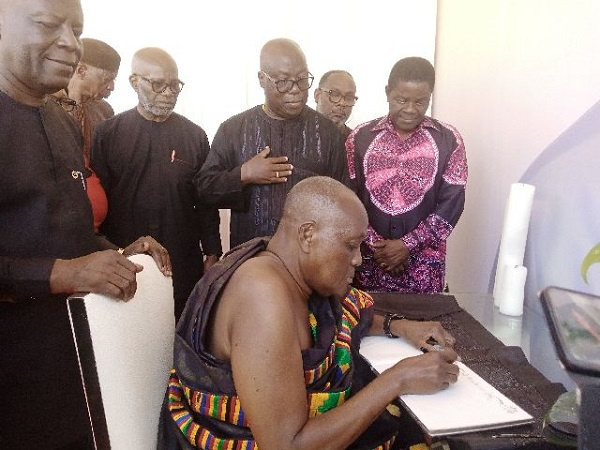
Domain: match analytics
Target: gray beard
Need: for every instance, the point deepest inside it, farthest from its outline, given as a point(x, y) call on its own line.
point(156, 110)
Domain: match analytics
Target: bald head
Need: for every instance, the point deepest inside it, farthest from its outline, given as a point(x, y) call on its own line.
point(279, 53)
point(155, 79)
point(152, 56)
point(336, 95)
point(324, 201)
point(320, 234)
point(285, 78)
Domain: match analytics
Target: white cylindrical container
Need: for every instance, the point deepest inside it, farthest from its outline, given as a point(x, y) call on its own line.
point(513, 290)
point(514, 232)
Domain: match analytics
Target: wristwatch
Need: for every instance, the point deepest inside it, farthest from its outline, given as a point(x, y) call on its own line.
point(389, 317)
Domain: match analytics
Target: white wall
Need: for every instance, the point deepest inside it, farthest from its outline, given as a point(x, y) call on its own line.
point(511, 76)
point(217, 45)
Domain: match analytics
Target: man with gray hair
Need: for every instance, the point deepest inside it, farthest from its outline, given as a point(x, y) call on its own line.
point(48, 248)
point(146, 158)
point(271, 336)
point(335, 97)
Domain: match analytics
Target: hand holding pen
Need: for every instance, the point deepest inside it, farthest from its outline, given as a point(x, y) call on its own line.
point(433, 345)
point(419, 332)
point(427, 373)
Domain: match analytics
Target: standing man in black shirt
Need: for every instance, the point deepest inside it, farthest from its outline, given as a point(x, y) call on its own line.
point(48, 248)
point(258, 155)
point(146, 158)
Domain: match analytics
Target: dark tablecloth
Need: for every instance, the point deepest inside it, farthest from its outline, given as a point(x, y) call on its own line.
point(504, 367)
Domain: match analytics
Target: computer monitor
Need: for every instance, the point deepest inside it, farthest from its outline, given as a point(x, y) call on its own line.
point(574, 322)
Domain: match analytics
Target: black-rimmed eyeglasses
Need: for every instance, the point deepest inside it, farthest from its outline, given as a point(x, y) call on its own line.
point(284, 86)
point(68, 104)
point(159, 86)
point(336, 97)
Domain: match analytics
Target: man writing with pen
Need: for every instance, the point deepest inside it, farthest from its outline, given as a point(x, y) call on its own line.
point(266, 352)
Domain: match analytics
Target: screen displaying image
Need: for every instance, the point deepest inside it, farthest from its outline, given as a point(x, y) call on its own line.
point(575, 318)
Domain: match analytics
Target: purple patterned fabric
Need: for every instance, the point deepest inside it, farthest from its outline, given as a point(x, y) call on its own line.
point(426, 268)
point(413, 189)
point(398, 174)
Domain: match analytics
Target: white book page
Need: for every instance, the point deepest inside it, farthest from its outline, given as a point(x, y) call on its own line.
point(470, 404)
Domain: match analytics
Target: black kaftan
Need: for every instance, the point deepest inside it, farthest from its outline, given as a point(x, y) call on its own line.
point(146, 169)
point(44, 214)
point(313, 144)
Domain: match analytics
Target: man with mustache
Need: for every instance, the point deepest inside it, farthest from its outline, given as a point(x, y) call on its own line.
point(48, 248)
point(146, 158)
point(335, 97)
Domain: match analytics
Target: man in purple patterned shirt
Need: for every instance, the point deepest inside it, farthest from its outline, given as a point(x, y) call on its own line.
point(410, 171)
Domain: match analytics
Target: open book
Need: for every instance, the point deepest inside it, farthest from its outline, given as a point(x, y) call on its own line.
point(470, 404)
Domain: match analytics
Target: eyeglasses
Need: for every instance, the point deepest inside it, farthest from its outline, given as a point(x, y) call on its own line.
point(160, 86)
point(68, 104)
point(284, 86)
point(336, 97)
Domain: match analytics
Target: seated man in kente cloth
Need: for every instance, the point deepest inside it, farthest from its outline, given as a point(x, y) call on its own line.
point(266, 349)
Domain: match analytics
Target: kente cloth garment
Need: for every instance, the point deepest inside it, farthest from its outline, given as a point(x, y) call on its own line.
point(313, 144)
point(147, 168)
point(44, 215)
point(201, 407)
point(413, 189)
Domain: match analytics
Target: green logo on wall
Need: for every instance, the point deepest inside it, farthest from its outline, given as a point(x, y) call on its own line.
point(592, 257)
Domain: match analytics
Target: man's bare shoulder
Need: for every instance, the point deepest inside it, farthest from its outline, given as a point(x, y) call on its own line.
point(259, 279)
point(254, 307)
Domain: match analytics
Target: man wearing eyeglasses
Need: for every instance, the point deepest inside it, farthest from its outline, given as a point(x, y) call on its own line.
point(335, 97)
point(94, 79)
point(258, 155)
point(146, 158)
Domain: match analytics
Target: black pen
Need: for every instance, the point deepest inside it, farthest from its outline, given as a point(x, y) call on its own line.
point(436, 346)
